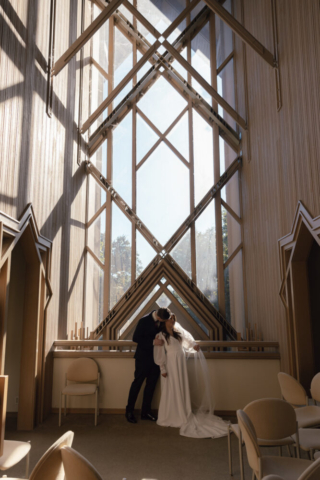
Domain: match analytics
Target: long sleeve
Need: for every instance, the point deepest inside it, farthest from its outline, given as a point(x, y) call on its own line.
point(188, 342)
point(159, 355)
point(142, 335)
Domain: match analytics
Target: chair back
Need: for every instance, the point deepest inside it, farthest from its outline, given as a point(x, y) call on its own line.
point(77, 467)
point(312, 472)
point(292, 391)
point(83, 370)
point(272, 418)
point(50, 464)
point(315, 387)
point(250, 439)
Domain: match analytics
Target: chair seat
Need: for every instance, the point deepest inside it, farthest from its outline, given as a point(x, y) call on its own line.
point(308, 416)
point(262, 442)
point(316, 455)
point(13, 453)
point(79, 389)
point(309, 438)
point(286, 467)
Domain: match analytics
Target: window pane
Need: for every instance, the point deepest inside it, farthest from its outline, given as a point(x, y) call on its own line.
point(162, 104)
point(99, 158)
point(96, 196)
point(225, 83)
point(94, 293)
point(100, 42)
point(145, 253)
point(200, 60)
point(163, 301)
point(163, 193)
point(98, 93)
point(230, 193)
point(179, 136)
point(227, 155)
point(120, 277)
point(233, 281)
point(146, 138)
point(122, 159)
point(231, 234)
point(123, 56)
point(161, 13)
point(223, 37)
point(203, 156)
point(188, 309)
point(182, 253)
point(97, 236)
point(207, 279)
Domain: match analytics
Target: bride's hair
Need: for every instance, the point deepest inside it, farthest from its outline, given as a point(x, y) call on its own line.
point(167, 334)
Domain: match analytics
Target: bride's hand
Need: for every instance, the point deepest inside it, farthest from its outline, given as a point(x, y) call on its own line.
point(164, 375)
point(196, 348)
point(158, 342)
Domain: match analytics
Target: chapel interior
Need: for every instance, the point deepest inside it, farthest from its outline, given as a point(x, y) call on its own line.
point(156, 153)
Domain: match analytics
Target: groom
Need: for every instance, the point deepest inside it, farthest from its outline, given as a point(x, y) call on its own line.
point(145, 368)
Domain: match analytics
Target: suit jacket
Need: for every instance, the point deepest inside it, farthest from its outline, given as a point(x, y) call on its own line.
point(144, 335)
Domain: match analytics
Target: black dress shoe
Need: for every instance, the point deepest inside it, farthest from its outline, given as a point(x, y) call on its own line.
point(130, 417)
point(148, 416)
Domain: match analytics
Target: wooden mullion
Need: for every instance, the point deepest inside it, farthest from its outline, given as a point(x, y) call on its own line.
point(96, 215)
point(95, 258)
point(101, 70)
point(231, 211)
point(234, 254)
point(225, 62)
point(141, 18)
point(180, 18)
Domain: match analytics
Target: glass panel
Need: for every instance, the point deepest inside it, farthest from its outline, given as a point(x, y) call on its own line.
point(145, 32)
point(94, 293)
point(145, 253)
point(143, 70)
point(146, 138)
point(96, 196)
point(188, 309)
point(200, 60)
point(126, 12)
point(139, 309)
point(123, 56)
point(179, 136)
point(99, 158)
point(163, 301)
point(161, 13)
point(231, 233)
point(233, 284)
point(124, 92)
point(162, 104)
point(224, 44)
point(182, 253)
point(100, 42)
point(230, 193)
point(177, 32)
point(97, 236)
point(120, 275)
point(203, 156)
point(225, 84)
point(98, 93)
point(227, 155)
point(162, 198)
point(122, 159)
point(163, 280)
point(197, 9)
point(207, 279)
point(177, 65)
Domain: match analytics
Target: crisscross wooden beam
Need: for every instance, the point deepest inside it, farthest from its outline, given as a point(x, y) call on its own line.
point(85, 36)
point(242, 32)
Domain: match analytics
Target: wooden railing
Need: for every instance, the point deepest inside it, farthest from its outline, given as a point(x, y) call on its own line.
point(126, 348)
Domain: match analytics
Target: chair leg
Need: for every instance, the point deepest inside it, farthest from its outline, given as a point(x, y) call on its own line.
point(60, 406)
point(96, 410)
point(27, 464)
point(241, 457)
point(253, 475)
point(289, 451)
point(65, 405)
point(229, 450)
point(280, 451)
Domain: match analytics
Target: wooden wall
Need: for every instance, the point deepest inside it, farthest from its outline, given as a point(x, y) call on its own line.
point(38, 153)
point(282, 162)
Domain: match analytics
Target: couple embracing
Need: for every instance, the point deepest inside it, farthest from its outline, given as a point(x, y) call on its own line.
point(162, 342)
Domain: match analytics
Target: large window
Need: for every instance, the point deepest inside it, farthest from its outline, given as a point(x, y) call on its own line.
point(158, 144)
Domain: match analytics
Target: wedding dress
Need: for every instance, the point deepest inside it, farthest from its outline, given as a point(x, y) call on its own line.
point(175, 408)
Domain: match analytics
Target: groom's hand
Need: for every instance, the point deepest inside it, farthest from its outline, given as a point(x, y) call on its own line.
point(158, 342)
point(164, 375)
point(196, 348)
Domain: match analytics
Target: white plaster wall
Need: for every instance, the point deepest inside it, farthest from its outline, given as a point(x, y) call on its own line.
point(235, 382)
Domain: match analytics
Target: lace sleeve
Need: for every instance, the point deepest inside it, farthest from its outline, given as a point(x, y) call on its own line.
point(159, 355)
point(188, 342)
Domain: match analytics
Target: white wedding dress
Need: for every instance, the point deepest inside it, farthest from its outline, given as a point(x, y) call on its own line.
point(175, 403)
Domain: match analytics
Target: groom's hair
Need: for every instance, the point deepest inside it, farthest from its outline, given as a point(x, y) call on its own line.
point(163, 313)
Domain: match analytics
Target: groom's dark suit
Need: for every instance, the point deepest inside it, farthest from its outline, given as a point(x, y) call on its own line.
point(144, 335)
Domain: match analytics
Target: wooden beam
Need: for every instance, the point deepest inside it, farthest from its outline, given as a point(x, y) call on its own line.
point(141, 19)
point(225, 105)
point(85, 36)
point(239, 30)
point(180, 18)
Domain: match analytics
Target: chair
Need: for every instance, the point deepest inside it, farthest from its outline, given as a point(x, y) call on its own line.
point(294, 393)
point(77, 467)
point(275, 423)
point(315, 388)
point(311, 473)
point(81, 371)
point(50, 466)
point(286, 467)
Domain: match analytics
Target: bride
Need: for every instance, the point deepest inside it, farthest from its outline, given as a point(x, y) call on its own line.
point(175, 402)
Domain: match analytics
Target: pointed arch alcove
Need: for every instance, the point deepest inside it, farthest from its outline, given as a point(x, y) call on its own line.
point(300, 274)
point(25, 292)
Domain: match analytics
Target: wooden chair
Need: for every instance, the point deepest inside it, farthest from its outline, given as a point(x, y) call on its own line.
point(50, 466)
point(77, 467)
point(287, 467)
point(294, 393)
point(311, 473)
point(81, 371)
